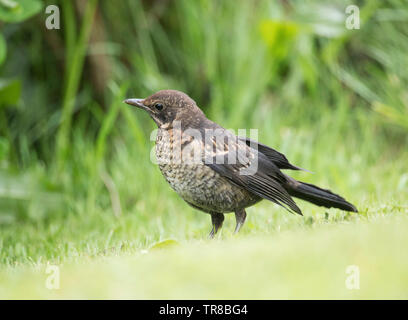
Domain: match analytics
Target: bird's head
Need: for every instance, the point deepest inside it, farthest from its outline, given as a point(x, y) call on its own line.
point(167, 106)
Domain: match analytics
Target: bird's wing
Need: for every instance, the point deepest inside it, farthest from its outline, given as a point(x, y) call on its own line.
point(279, 159)
point(249, 169)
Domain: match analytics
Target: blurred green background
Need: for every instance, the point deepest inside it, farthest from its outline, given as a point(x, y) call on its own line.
point(77, 185)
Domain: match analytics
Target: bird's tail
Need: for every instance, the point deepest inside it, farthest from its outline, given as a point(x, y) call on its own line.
point(318, 196)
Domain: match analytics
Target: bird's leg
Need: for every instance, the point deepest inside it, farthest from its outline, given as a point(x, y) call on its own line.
point(240, 217)
point(216, 219)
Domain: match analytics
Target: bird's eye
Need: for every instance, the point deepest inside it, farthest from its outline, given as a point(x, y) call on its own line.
point(158, 106)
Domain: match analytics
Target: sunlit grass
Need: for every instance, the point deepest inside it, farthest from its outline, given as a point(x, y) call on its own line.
point(305, 262)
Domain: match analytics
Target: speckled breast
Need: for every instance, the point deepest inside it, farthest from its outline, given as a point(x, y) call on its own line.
point(195, 182)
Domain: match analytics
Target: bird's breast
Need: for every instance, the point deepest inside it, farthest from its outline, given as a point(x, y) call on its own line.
point(180, 160)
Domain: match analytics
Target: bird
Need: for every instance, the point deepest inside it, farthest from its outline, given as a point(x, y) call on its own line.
point(218, 172)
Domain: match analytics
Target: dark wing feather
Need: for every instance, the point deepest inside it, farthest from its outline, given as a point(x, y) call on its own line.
point(266, 182)
point(279, 159)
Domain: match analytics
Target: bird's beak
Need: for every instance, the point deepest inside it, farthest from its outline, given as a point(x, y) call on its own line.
point(136, 102)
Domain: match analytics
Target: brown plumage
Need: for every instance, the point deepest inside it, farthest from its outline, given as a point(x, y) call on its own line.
point(217, 172)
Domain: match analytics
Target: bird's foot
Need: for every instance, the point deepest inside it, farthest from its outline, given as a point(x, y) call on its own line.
point(217, 219)
point(240, 217)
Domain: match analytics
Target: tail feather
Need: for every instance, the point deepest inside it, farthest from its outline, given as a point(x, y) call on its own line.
point(318, 196)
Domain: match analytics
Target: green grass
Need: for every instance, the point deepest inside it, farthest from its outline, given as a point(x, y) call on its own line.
point(304, 262)
point(91, 201)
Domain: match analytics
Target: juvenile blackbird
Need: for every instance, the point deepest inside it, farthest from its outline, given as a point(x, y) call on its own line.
point(218, 172)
